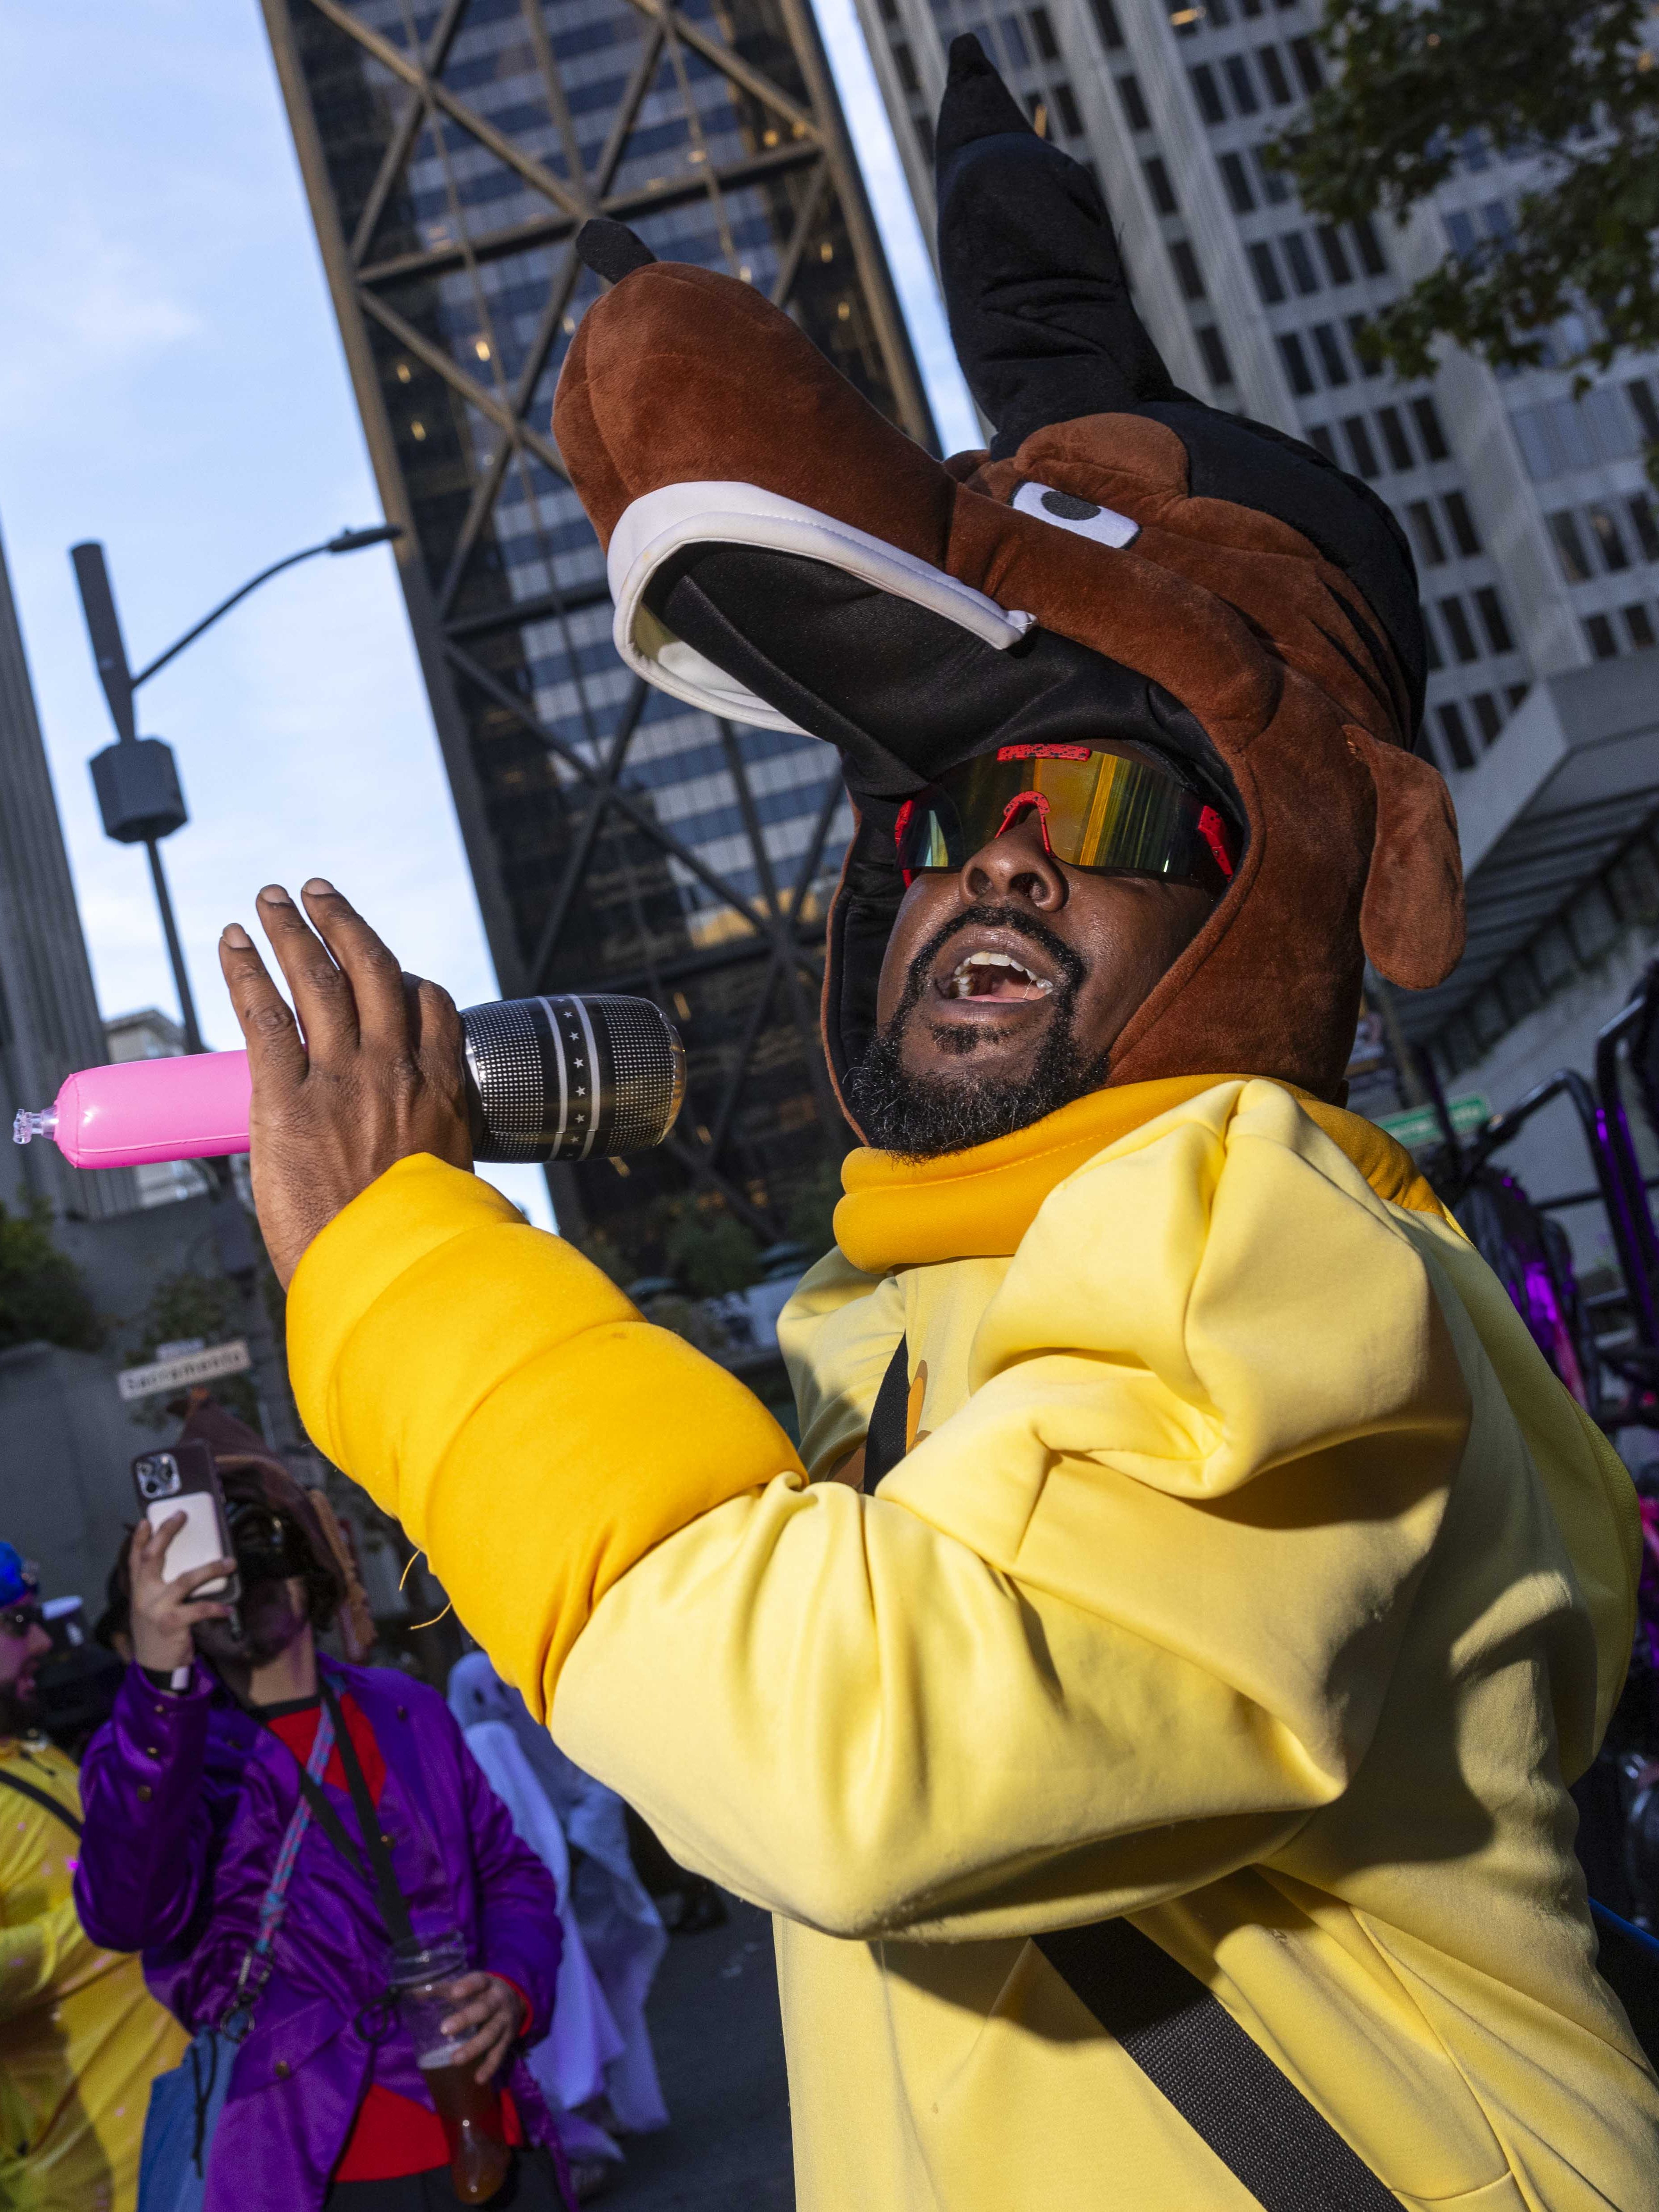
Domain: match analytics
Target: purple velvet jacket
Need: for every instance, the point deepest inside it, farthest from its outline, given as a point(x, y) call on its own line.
point(186, 1801)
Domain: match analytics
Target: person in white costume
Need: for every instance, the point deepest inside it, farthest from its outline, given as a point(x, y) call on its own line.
point(613, 1939)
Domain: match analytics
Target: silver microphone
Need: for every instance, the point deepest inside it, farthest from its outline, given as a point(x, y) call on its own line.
point(572, 1076)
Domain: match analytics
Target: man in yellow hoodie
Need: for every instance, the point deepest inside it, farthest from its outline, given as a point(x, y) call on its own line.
point(81, 2038)
point(1148, 1699)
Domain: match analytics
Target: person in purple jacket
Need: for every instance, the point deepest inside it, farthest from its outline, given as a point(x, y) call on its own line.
point(189, 1792)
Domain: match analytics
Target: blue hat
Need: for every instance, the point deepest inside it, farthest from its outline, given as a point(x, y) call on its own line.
point(20, 1578)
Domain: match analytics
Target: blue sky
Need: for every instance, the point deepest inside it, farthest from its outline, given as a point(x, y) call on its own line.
point(173, 384)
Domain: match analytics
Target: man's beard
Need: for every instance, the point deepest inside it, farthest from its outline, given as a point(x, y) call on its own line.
point(269, 1625)
point(922, 1116)
point(18, 1713)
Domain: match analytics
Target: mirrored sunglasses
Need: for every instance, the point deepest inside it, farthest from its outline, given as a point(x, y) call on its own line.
point(1110, 811)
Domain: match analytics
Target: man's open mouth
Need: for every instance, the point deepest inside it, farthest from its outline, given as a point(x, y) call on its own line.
point(996, 975)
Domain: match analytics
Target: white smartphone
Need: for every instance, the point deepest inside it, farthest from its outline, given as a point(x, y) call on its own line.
point(186, 1480)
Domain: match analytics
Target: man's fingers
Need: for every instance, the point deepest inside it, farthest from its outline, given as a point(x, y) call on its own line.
point(324, 1001)
point(215, 1571)
point(158, 1540)
point(267, 1026)
point(376, 978)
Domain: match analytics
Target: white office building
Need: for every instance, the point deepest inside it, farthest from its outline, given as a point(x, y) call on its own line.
point(1535, 532)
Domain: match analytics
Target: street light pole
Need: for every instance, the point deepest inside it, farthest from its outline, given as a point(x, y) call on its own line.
point(137, 779)
point(141, 801)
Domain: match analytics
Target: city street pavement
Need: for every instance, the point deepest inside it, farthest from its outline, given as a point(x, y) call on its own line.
point(714, 2022)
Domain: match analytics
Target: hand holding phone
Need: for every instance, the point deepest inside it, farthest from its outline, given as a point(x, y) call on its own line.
point(181, 1565)
point(164, 1611)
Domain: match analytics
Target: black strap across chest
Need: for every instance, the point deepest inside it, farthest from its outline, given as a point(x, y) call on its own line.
point(42, 1798)
point(395, 1911)
point(1267, 2135)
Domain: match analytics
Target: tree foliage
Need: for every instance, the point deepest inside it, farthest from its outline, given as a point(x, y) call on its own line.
point(1569, 278)
point(43, 1298)
point(182, 1308)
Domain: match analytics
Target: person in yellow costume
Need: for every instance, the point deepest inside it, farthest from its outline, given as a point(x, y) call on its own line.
point(1147, 1701)
point(81, 2038)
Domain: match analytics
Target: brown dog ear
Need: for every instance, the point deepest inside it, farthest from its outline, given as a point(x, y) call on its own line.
point(1411, 919)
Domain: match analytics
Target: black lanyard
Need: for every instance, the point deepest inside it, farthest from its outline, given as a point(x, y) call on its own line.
point(378, 1872)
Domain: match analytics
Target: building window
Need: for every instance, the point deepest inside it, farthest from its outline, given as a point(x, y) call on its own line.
point(1208, 93)
point(905, 63)
point(1266, 275)
point(1274, 185)
point(1642, 522)
point(1215, 355)
point(1359, 444)
point(1356, 327)
point(1330, 353)
point(1296, 365)
point(1042, 30)
point(1014, 45)
point(1430, 550)
point(1639, 622)
point(1321, 437)
point(1465, 536)
point(924, 134)
point(1238, 77)
point(1158, 183)
point(1184, 21)
point(1273, 68)
point(1488, 714)
point(1185, 266)
point(1493, 620)
point(1602, 642)
point(1393, 437)
point(1066, 100)
point(1454, 614)
point(1336, 255)
point(1605, 530)
point(1640, 393)
point(1303, 274)
point(1305, 55)
point(1431, 659)
point(1134, 106)
point(1237, 179)
point(1106, 23)
point(1372, 259)
point(1429, 430)
point(1570, 547)
point(1455, 733)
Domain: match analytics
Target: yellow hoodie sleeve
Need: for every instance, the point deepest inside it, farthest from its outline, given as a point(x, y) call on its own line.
point(492, 1389)
point(1121, 1622)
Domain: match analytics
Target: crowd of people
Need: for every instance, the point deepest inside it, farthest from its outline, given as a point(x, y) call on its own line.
point(295, 1931)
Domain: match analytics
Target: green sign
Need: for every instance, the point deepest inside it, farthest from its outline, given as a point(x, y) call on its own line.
point(1420, 1125)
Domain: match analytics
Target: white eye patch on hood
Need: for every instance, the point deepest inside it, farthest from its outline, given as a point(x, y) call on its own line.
point(1082, 517)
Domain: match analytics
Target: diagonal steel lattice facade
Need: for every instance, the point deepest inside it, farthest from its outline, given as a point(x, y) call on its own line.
point(617, 839)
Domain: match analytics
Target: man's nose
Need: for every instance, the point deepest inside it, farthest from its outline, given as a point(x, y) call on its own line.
point(40, 1641)
point(1016, 865)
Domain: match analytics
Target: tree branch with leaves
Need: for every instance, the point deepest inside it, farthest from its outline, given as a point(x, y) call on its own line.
point(1568, 85)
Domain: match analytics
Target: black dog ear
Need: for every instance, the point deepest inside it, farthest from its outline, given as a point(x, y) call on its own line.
point(611, 250)
point(1034, 283)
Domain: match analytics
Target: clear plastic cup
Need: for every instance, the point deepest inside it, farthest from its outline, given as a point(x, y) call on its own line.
point(422, 1978)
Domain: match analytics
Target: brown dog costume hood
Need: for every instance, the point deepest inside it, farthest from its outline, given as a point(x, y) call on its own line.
point(1125, 562)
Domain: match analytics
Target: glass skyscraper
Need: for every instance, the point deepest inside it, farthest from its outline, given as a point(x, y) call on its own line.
point(618, 840)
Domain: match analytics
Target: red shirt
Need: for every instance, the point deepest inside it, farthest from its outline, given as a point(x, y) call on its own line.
point(392, 2135)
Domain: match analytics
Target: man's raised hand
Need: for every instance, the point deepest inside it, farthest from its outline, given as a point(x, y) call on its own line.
point(369, 1073)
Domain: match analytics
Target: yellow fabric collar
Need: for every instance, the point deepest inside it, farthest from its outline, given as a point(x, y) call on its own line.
point(979, 1204)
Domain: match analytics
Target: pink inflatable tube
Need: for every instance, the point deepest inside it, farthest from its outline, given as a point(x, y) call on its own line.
point(140, 1111)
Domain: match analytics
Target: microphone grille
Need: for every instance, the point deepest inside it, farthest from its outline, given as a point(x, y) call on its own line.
point(572, 1076)
point(648, 1073)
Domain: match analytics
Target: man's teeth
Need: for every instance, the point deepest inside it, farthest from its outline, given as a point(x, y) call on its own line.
point(961, 985)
